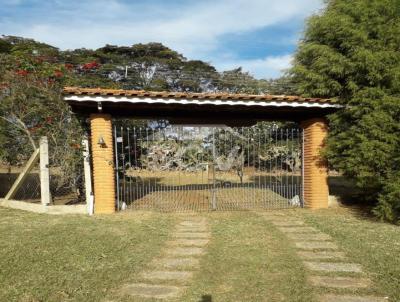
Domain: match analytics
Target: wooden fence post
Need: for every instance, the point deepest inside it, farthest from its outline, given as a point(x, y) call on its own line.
point(44, 171)
point(22, 176)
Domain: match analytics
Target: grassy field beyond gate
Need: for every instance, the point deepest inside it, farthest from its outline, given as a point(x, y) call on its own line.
point(76, 258)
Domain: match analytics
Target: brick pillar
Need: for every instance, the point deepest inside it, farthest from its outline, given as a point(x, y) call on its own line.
point(103, 163)
point(315, 176)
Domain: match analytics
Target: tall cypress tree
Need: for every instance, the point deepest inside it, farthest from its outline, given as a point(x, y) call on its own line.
point(351, 51)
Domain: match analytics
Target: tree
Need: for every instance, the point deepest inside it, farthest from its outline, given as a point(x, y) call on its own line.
point(351, 51)
point(31, 106)
point(237, 81)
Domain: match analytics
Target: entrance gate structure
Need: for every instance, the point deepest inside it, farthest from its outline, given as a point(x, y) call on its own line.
point(192, 167)
point(199, 168)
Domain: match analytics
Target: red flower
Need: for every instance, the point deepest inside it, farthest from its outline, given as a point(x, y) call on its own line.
point(58, 73)
point(69, 66)
point(76, 146)
point(22, 72)
point(91, 65)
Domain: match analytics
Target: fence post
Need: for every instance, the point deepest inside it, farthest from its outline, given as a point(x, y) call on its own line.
point(22, 176)
point(44, 171)
point(88, 176)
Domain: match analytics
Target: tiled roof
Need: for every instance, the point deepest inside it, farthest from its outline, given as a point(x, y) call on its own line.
point(188, 95)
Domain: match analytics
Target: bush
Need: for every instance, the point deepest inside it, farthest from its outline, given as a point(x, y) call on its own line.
point(350, 52)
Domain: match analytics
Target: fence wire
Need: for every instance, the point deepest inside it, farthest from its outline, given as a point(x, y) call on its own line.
point(29, 190)
point(208, 168)
point(67, 185)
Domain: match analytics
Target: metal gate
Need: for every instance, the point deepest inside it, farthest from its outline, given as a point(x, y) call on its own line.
point(198, 168)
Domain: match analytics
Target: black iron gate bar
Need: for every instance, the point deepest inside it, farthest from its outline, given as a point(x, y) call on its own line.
point(208, 168)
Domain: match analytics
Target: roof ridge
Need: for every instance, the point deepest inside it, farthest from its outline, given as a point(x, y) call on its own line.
point(171, 94)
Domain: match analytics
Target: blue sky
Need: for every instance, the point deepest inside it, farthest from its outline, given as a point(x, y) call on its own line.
point(258, 35)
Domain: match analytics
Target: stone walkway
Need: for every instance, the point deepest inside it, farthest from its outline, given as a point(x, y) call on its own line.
point(324, 259)
point(170, 274)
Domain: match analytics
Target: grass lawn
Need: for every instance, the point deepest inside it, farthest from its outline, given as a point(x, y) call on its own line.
point(375, 245)
point(77, 258)
point(248, 260)
point(74, 258)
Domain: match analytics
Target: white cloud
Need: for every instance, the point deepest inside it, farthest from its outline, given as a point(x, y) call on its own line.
point(195, 30)
point(266, 68)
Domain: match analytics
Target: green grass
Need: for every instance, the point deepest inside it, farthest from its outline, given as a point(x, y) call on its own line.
point(74, 258)
point(375, 245)
point(248, 260)
point(78, 258)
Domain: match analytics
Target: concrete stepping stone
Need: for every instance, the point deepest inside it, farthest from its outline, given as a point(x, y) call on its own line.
point(191, 235)
point(312, 245)
point(167, 275)
point(177, 263)
point(196, 221)
point(193, 223)
point(186, 251)
point(348, 298)
point(151, 291)
point(189, 242)
point(297, 229)
point(320, 255)
point(339, 282)
point(309, 237)
point(334, 267)
point(181, 229)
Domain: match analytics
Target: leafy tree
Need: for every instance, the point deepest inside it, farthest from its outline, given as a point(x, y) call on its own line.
point(141, 66)
point(31, 106)
point(280, 86)
point(237, 81)
point(5, 46)
point(193, 76)
point(351, 51)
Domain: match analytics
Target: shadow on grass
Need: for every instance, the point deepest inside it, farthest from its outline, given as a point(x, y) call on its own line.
point(351, 197)
point(206, 298)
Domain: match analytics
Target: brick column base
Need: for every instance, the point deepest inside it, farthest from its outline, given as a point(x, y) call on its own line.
point(315, 176)
point(103, 163)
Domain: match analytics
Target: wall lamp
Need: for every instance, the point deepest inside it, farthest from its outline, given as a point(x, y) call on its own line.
point(101, 142)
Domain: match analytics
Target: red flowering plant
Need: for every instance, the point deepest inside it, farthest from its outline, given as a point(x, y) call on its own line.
point(22, 72)
point(58, 73)
point(90, 66)
point(31, 106)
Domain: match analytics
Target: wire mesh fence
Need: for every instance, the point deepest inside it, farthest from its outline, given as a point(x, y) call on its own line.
point(67, 185)
point(208, 168)
point(66, 191)
point(66, 181)
point(28, 191)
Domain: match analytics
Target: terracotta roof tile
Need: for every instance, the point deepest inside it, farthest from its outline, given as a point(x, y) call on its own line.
point(183, 95)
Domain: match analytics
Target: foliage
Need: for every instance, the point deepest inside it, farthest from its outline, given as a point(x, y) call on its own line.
point(31, 106)
point(350, 51)
point(389, 206)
